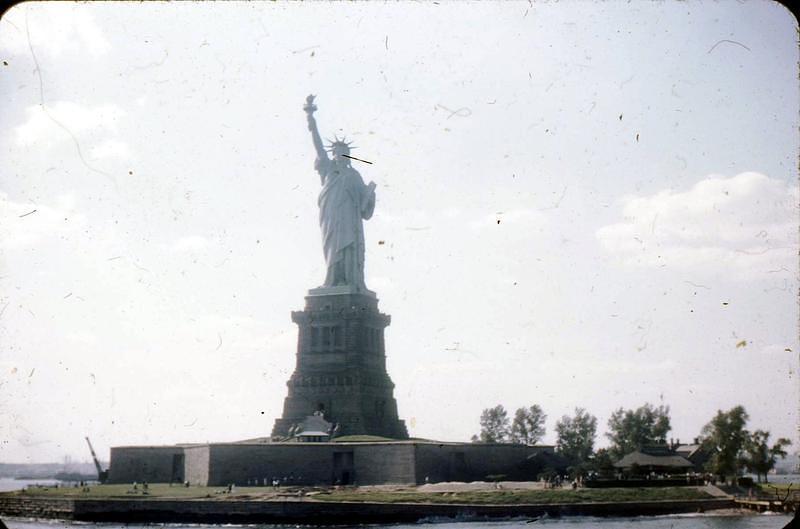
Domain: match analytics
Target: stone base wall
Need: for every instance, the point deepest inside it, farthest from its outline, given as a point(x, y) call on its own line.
point(312, 463)
point(341, 368)
point(155, 464)
point(32, 507)
point(401, 462)
point(196, 464)
point(377, 464)
point(304, 463)
point(470, 461)
point(322, 513)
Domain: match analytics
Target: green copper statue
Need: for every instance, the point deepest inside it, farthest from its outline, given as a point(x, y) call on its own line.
point(343, 202)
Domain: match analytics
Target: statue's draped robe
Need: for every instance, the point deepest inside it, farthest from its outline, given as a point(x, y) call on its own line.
point(343, 202)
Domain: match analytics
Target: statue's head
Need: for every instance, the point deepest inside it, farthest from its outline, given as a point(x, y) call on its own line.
point(340, 149)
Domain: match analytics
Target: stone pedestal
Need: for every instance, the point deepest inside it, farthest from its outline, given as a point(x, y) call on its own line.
point(341, 366)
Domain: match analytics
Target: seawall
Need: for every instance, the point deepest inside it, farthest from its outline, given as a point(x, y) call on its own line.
point(320, 513)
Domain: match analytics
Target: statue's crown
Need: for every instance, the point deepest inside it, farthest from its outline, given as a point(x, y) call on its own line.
point(339, 143)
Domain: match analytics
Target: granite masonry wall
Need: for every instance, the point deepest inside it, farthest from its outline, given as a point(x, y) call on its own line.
point(399, 462)
point(240, 464)
point(155, 464)
point(376, 464)
point(320, 513)
point(196, 459)
point(467, 461)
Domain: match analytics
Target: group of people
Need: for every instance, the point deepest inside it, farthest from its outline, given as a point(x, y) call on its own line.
point(557, 481)
point(135, 489)
point(84, 485)
point(274, 482)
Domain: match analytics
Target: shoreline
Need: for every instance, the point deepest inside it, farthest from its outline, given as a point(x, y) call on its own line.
point(309, 512)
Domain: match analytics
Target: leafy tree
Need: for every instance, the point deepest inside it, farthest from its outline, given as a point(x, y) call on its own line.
point(630, 430)
point(576, 436)
point(759, 457)
point(724, 437)
point(528, 425)
point(494, 425)
point(603, 463)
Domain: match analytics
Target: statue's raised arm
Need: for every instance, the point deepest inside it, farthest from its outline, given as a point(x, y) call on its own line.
point(310, 107)
point(344, 202)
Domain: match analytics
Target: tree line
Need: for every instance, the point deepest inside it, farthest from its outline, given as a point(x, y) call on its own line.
point(730, 446)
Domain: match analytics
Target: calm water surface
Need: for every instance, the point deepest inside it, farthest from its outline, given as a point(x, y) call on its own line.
point(8, 484)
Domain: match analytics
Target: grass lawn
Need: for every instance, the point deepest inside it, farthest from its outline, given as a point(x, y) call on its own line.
point(505, 497)
point(487, 497)
point(361, 439)
point(780, 486)
point(779, 490)
point(155, 490)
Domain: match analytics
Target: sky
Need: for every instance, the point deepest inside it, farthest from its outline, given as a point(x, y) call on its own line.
point(579, 204)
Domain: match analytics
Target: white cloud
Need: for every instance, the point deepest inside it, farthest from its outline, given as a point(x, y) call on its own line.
point(514, 217)
point(77, 118)
point(25, 224)
point(111, 149)
point(409, 219)
point(381, 284)
point(54, 29)
point(746, 223)
point(451, 212)
point(608, 366)
point(192, 243)
point(82, 338)
point(508, 235)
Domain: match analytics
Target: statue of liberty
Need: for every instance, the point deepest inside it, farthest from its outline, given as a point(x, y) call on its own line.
point(343, 202)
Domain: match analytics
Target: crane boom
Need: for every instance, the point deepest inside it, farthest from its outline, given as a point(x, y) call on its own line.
point(101, 474)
